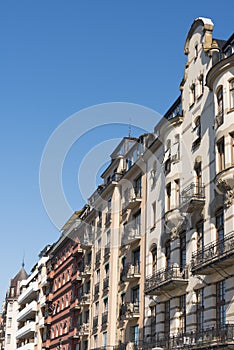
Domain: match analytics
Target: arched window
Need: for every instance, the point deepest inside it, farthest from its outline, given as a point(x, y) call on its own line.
point(219, 96)
point(154, 258)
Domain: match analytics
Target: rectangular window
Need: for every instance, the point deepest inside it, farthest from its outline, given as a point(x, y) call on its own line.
point(137, 187)
point(137, 222)
point(221, 155)
point(200, 309)
point(135, 334)
point(182, 251)
point(135, 295)
point(177, 192)
point(168, 198)
point(200, 236)
point(8, 338)
point(10, 306)
point(221, 304)
point(219, 117)
point(231, 87)
point(9, 323)
point(219, 223)
point(182, 307)
point(192, 94)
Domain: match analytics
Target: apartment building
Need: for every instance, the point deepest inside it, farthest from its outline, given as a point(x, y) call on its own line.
point(189, 255)
point(147, 263)
point(10, 311)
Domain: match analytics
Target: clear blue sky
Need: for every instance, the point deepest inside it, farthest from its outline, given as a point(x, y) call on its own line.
point(58, 57)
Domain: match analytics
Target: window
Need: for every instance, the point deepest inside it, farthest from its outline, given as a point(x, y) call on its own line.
point(136, 259)
point(232, 148)
point(219, 218)
point(231, 89)
point(137, 222)
point(197, 132)
point(98, 275)
point(154, 258)
point(167, 318)
point(182, 307)
point(168, 197)
point(182, 250)
point(104, 340)
point(9, 322)
point(219, 117)
point(177, 192)
point(221, 304)
point(175, 149)
point(221, 155)
point(153, 313)
point(200, 236)
point(96, 308)
point(105, 304)
point(200, 85)
point(8, 338)
point(167, 157)
point(135, 334)
point(200, 309)
point(135, 295)
point(137, 187)
point(153, 214)
point(168, 254)
point(192, 94)
point(10, 307)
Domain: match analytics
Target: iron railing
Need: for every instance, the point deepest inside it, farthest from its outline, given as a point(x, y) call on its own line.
point(192, 192)
point(168, 274)
point(219, 249)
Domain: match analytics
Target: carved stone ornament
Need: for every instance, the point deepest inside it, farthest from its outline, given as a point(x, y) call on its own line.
point(228, 199)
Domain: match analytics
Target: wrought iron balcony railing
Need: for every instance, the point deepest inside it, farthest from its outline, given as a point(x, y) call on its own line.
point(106, 284)
point(193, 197)
point(166, 279)
point(215, 253)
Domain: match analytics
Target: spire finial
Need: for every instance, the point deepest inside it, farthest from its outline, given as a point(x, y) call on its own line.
point(23, 264)
point(129, 128)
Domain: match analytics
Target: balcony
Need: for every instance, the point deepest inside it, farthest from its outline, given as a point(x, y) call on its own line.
point(85, 299)
point(106, 284)
point(29, 294)
point(213, 256)
point(224, 181)
point(175, 114)
point(133, 198)
point(131, 234)
point(28, 346)
point(27, 331)
point(129, 311)
point(192, 198)
point(27, 312)
point(165, 280)
point(130, 273)
point(210, 338)
point(104, 319)
point(83, 329)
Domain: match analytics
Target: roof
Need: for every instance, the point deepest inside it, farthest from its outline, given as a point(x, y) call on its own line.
point(220, 43)
point(21, 275)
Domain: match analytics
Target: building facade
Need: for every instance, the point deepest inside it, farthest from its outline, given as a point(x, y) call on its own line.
point(147, 263)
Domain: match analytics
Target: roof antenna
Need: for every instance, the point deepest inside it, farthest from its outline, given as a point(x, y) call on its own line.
point(23, 264)
point(129, 127)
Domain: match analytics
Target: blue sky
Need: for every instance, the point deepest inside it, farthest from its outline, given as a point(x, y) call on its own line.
point(58, 57)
